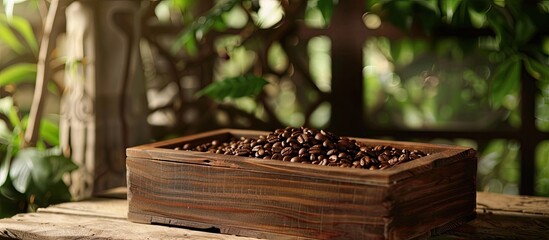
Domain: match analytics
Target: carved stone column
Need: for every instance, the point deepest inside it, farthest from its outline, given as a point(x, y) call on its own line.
point(104, 107)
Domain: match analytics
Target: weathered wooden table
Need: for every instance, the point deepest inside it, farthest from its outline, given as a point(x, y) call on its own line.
point(499, 217)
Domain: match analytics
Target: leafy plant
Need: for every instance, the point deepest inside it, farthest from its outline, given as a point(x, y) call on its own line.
point(30, 175)
point(517, 27)
point(215, 20)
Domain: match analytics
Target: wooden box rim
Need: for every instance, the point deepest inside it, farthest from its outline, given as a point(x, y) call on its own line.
point(440, 155)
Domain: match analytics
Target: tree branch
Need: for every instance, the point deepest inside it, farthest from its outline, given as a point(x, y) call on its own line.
point(43, 73)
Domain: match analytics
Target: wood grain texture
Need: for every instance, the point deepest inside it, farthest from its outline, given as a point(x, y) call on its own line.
point(44, 225)
point(497, 218)
point(267, 198)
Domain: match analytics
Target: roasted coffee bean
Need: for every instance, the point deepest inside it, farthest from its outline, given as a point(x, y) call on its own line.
point(331, 152)
point(260, 153)
point(393, 161)
point(296, 159)
point(277, 147)
point(328, 144)
point(276, 156)
point(307, 145)
point(242, 152)
point(287, 151)
point(315, 149)
point(320, 137)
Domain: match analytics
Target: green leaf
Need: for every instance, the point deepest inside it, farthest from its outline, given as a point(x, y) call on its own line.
point(501, 24)
point(59, 165)
point(49, 132)
point(187, 41)
point(506, 79)
point(448, 7)
point(5, 166)
point(537, 69)
point(21, 169)
point(9, 38)
point(326, 8)
point(235, 87)
point(219, 24)
point(24, 28)
point(182, 5)
point(6, 103)
point(58, 192)
point(189, 37)
point(18, 73)
point(7, 108)
point(42, 169)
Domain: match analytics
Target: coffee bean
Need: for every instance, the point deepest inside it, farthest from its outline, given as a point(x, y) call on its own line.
point(331, 152)
point(306, 145)
point(276, 156)
point(296, 159)
point(315, 149)
point(328, 144)
point(320, 137)
point(286, 151)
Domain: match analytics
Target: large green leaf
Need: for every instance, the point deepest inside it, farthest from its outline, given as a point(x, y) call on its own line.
point(326, 8)
point(59, 166)
point(506, 79)
point(18, 73)
point(22, 168)
point(57, 193)
point(235, 87)
point(42, 169)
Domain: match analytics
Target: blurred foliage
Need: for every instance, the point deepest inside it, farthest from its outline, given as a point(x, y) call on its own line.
point(517, 43)
point(236, 87)
point(30, 177)
point(439, 79)
point(542, 169)
point(498, 170)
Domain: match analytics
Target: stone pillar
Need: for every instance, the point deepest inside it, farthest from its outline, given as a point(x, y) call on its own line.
point(104, 106)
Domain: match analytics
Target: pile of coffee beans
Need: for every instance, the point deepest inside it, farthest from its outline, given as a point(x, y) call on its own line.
point(307, 145)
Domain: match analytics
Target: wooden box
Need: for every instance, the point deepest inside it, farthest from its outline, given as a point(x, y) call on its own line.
point(284, 200)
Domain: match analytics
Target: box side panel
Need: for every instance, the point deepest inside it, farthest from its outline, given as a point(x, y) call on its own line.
point(437, 199)
point(247, 202)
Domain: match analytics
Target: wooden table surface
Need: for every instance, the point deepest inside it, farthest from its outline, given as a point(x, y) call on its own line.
point(499, 217)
